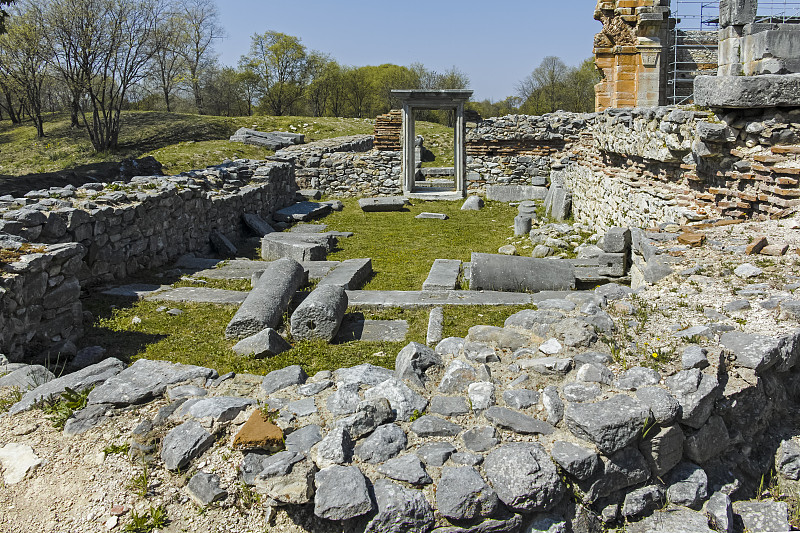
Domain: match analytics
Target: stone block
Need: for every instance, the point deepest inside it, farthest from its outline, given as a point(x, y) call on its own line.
point(320, 314)
point(515, 193)
point(350, 274)
point(443, 275)
point(617, 240)
point(520, 274)
point(298, 246)
point(612, 264)
point(383, 204)
point(737, 12)
point(740, 92)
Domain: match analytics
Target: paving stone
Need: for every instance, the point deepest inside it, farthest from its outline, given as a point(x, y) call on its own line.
point(663, 405)
point(373, 331)
point(663, 449)
point(696, 393)
point(335, 448)
point(449, 405)
point(384, 443)
point(302, 212)
point(443, 275)
point(594, 373)
point(145, 380)
point(480, 439)
point(27, 377)
point(341, 493)
point(350, 274)
point(433, 426)
point(403, 400)
point(553, 405)
point(610, 424)
point(413, 361)
point(578, 461)
point(368, 415)
point(436, 453)
point(400, 509)
point(481, 395)
point(90, 376)
point(637, 377)
point(216, 408)
point(524, 477)
point(427, 299)
point(520, 398)
point(435, 330)
point(763, 516)
point(687, 485)
point(18, 461)
point(462, 494)
point(678, 520)
point(720, 512)
point(302, 440)
point(204, 488)
point(457, 377)
point(184, 443)
point(364, 374)
point(406, 468)
point(516, 421)
point(580, 392)
point(283, 378)
point(643, 501)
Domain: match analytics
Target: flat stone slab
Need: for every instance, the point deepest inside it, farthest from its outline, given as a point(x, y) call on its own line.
point(371, 205)
point(436, 216)
point(443, 275)
point(412, 299)
point(515, 193)
point(137, 291)
point(302, 212)
point(350, 273)
point(766, 90)
point(246, 268)
point(199, 295)
point(373, 331)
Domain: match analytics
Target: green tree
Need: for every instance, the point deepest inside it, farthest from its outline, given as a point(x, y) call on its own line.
point(281, 62)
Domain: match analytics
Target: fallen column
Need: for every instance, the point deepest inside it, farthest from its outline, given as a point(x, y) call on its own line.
point(520, 274)
point(268, 300)
point(320, 314)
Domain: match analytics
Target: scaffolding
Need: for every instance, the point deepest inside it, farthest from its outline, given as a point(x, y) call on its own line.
point(694, 24)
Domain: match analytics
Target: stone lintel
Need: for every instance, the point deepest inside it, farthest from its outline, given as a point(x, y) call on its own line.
point(768, 90)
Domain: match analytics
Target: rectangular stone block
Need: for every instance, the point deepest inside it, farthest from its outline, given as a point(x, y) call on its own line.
point(617, 240)
point(515, 193)
point(443, 275)
point(520, 274)
point(614, 265)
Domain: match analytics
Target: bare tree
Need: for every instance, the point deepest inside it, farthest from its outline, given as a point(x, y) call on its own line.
point(201, 28)
point(541, 91)
point(4, 14)
point(169, 62)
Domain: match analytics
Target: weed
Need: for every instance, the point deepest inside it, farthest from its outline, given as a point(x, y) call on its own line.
point(416, 414)
point(13, 397)
point(112, 449)
point(247, 496)
point(140, 483)
point(154, 518)
point(62, 408)
point(740, 321)
point(158, 517)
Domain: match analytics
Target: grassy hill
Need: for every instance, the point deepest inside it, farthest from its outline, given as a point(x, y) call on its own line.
point(180, 142)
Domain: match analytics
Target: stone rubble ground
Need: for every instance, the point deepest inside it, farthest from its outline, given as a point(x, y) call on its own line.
point(557, 393)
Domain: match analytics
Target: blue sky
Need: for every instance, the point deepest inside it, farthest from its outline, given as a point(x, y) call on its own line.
point(495, 43)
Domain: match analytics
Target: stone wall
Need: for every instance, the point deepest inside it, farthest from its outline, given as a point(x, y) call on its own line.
point(40, 309)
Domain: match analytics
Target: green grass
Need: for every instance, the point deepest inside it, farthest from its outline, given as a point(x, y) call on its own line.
point(181, 142)
point(403, 248)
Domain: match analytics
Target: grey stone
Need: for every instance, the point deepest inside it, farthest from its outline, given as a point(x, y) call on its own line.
point(790, 310)
point(301, 247)
point(558, 202)
point(637, 377)
point(720, 512)
point(217, 408)
point(501, 337)
point(553, 405)
point(186, 391)
point(457, 377)
point(622, 469)
point(578, 461)
point(480, 439)
point(252, 465)
point(184, 443)
point(737, 12)
point(663, 405)
point(320, 314)
point(450, 346)
point(270, 140)
point(204, 488)
point(406, 468)
point(341, 493)
point(301, 408)
point(313, 388)
point(547, 524)
point(663, 449)
point(534, 320)
point(519, 274)
point(302, 212)
point(766, 90)
point(547, 365)
point(758, 352)
point(435, 216)
point(787, 459)
point(285, 377)
point(350, 274)
point(364, 374)
point(384, 443)
point(400, 509)
point(436, 453)
point(763, 516)
point(368, 415)
point(694, 357)
point(516, 421)
point(515, 193)
point(269, 299)
point(257, 224)
point(687, 485)
point(371, 205)
point(617, 240)
point(433, 426)
point(144, 380)
point(413, 361)
point(524, 477)
point(481, 395)
point(580, 392)
point(593, 357)
point(302, 440)
point(345, 400)
point(404, 401)
point(643, 501)
point(610, 424)
point(678, 520)
point(265, 343)
point(696, 393)
point(466, 458)
point(737, 305)
point(520, 398)
point(83, 379)
point(522, 225)
point(473, 203)
point(613, 291)
point(85, 419)
point(27, 377)
point(594, 373)
point(88, 356)
point(372, 331)
point(480, 353)
point(462, 494)
point(449, 405)
point(561, 304)
point(222, 245)
point(435, 330)
point(335, 448)
point(289, 480)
